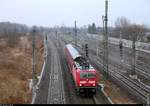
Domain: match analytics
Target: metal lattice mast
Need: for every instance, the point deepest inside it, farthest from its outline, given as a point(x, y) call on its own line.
point(133, 55)
point(33, 60)
point(103, 47)
point(105, 42)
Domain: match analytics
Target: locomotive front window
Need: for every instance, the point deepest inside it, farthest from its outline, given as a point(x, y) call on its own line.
point(83, 75)
point(85, 68)
point(91, 75)
point(87, 75)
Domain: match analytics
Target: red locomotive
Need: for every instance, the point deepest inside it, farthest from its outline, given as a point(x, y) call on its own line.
point(84, 75)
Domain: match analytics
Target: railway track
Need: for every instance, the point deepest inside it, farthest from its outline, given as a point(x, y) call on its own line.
point(140, 70)
point(143, 64)
point(136, 88)
point(144, 68)
point(135, 81)
point(143, 71)
point(73, 98)
point(56, 88)
point(56, 85)
point(41, 97)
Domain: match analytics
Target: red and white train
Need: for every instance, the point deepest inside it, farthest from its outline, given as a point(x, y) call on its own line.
point(84, 75)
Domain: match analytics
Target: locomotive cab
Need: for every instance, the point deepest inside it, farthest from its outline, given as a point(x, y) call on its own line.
point(86, 77)
point(83, 74)
point(87, 83)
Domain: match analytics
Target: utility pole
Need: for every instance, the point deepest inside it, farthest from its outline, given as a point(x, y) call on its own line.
point(133, 58)
point(33, 61)
point(103, 47)
point(121, 48)
point(45, 39)
point(105, 42)
point(75, 33)
point(46, 36)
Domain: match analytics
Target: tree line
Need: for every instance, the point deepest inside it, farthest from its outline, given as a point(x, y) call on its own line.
point(12, 31)
point(123, 27)
point(129, 30)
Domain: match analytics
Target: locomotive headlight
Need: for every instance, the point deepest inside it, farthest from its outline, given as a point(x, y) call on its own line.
point(80, 84)
point(94, 84)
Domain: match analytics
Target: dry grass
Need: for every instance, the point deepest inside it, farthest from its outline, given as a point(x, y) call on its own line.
point(117, 94)
point(15, 70)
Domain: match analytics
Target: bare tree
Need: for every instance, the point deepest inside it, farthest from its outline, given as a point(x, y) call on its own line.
point(12, 31)
point(12, 36)
point(128, 29)
point(122, 22)
point(121, 25)
point(136, 30)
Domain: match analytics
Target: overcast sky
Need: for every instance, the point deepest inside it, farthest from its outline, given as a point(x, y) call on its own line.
point(64, 12)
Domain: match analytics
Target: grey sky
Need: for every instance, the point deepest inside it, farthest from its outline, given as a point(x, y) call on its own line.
point(59, 12)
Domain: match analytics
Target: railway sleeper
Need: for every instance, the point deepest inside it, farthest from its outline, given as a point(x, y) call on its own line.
point(136, 95)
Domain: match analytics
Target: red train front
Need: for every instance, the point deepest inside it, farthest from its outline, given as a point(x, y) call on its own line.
point(84, 75)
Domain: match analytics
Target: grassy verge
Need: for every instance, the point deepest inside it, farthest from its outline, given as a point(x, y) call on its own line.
point(16, 69)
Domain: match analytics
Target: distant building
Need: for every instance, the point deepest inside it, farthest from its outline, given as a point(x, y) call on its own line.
point(147, 35)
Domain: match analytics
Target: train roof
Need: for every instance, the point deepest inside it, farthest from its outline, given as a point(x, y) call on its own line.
point(74, 53)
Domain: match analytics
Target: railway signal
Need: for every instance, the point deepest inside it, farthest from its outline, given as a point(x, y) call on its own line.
point(121, 48)
point(86, 50)
point(46, 36)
